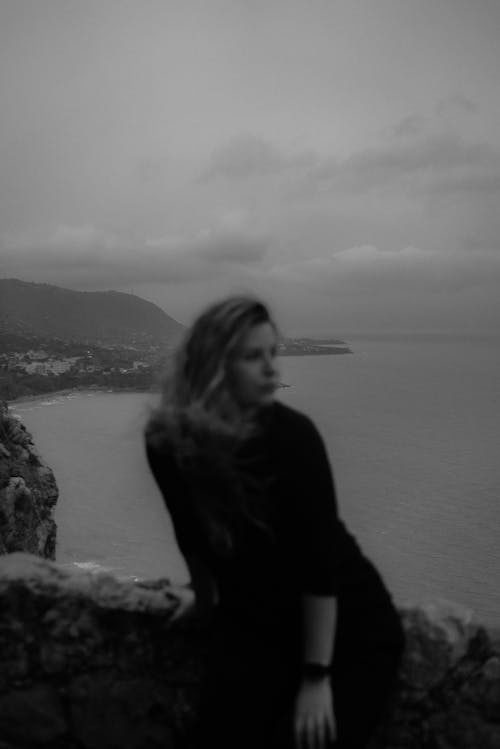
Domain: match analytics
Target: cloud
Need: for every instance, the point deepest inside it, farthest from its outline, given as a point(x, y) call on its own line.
point(215, 246)
point(484, 180)
point(367, 270)
point(455, 104)
point(150, 170)
point(439, 161)
point(86, 256)
point(75, 246)
point(251, 156)
point(412, 161)
point(231, 248)
point(409, 127)
point(411, 164)
point(368, 288)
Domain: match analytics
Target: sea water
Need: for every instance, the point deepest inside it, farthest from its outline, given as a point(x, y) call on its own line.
point(412, 430)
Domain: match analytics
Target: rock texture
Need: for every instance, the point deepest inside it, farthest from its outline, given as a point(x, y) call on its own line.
point(448, 696)
point(87, 662)
point(28, 492)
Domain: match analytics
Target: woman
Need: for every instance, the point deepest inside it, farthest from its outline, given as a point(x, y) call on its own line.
point(304, 639)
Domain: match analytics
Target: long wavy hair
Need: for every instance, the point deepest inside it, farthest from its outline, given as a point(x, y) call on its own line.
point(200, 421)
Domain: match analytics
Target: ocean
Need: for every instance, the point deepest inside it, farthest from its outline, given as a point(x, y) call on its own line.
point(412, 430)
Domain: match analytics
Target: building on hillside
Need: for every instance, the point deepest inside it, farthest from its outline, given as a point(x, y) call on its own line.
point(37, 355)
point(52, 366)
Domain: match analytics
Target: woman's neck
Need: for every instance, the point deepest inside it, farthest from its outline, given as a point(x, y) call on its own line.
point(255, 413)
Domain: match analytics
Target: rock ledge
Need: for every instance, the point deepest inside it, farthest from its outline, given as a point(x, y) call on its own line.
point(88, 662)
point(28, 492)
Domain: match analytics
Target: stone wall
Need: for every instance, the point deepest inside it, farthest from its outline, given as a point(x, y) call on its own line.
point(87, 662)
point(28, 492)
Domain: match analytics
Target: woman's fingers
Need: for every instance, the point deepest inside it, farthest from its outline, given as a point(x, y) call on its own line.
point(313, 734)
point(309, 735)
point(331, 726)
point(301, 734)
point(321, 736)
point(186, 600)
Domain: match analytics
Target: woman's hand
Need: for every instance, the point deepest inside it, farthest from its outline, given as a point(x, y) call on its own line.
point(186, 604)
point(314, 719)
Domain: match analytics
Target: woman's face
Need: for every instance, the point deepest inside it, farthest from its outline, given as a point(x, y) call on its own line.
point(253, 373)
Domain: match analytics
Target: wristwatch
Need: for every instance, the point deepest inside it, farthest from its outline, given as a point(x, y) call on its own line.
point(311, 670)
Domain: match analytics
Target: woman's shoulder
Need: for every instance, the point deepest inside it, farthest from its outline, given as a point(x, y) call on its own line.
point(152, 437)
point(158, 441)
point(290, 419)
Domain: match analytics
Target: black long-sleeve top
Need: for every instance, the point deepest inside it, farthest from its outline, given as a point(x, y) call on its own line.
point(306, 548)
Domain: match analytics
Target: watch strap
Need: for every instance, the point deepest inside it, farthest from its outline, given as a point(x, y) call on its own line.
point(311, 670)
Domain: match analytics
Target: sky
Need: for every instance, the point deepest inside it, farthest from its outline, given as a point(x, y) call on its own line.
point(338, 158)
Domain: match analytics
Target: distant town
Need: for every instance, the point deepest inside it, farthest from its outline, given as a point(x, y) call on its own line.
point(54, 339)
point(32, 365)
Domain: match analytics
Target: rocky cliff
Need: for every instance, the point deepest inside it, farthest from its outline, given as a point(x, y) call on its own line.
point(87, 662)
point(28, 492)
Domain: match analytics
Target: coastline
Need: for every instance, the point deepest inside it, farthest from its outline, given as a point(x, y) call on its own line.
point(40, 396)
point(89, 388)
point(74, 391)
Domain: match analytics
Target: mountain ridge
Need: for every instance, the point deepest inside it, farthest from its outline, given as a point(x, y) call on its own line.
point(94, 316)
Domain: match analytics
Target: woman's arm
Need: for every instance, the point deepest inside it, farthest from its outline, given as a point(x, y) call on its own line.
point(201, 596)
point(198, 599)
point(322, 545)
point(314, 717)
point(319, 620)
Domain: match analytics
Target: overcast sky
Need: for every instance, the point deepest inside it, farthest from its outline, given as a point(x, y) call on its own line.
point(340, 158)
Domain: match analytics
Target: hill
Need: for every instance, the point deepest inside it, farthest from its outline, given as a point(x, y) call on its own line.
point(99, 317)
